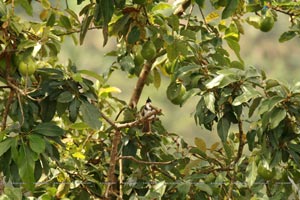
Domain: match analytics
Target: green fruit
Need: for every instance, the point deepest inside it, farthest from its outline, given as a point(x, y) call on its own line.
point(267, 22)
point(148, 51)
point(27, 68)
point(264, 170)
point(138, 58)
point(175, 92)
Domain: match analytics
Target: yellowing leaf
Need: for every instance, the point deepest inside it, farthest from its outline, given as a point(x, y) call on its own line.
point(109, 90)
point(200, 143)
point(190, 165)
point(214, 146)
point(211, 16)
point(78, 155)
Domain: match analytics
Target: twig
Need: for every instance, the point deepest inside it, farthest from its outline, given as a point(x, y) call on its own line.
point(189, 17)
point(204, 20)
point(139, 121)
point(238, 156)
point(146, 162)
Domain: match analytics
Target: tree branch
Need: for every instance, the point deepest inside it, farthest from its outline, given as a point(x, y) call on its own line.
point(238, 156)
point(140, 84)
point(112, 164)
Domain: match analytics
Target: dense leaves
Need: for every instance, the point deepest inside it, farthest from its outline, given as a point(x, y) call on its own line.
point(62, 132)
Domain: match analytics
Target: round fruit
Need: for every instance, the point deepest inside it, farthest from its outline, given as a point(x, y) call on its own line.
point(264, 171)
point(267, 22)
point(27, 68)
point(138, 58)
point(175, 92)
point(148, 51)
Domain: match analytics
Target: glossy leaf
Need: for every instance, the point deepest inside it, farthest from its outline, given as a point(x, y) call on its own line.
point(65, 21)
point(5, 145)
point(209, 99)
point(134, 35)
point(48, 129)
point(276, 116)
point(248, 93)
point(65, 97)
point(251, 172)
point(26, 166)
point(230, 8)
point(90, 115)
point(223, 128)
point(37, 143)
point(287, 36)
point(84, 28)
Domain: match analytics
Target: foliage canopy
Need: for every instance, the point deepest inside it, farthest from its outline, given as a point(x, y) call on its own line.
point(65, 135)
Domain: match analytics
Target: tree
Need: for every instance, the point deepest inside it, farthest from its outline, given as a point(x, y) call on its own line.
point(64, 134)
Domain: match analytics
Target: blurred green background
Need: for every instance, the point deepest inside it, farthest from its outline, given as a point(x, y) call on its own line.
point(262, 50)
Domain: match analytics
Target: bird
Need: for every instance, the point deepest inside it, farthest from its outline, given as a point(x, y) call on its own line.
point(146, 109)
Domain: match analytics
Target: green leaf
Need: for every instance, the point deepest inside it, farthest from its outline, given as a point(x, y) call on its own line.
point(12, 192)
point(84, 28)
point(5, 145)
point(205, 188)
point(287, 36)
point(91, 74)
point(90, 115)
point(26, 167)
point(276, 116)
point(134, 35)
point(156, 78)
point(269, 104)
point(73, 110)
point(230, 8)
point(235, 46)
point(183, 188)
point(251, 172)
point(107, 10)
point(253, 106)
point(46, 4)
point(200, 3)
point(47, 109)
point(251, 139)
point(48, 129)
point(51, 20)
point(37, 143)
point(65, 21)
point(27, 6)
point(65, 97)
point(248, 93)
point(209, 99)
point(223, 128)
point(215, 82)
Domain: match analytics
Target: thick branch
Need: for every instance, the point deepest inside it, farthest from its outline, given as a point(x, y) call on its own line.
point(111, 179)
point(140, 84)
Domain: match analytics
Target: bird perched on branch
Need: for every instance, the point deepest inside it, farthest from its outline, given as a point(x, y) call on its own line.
point(145, 110)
